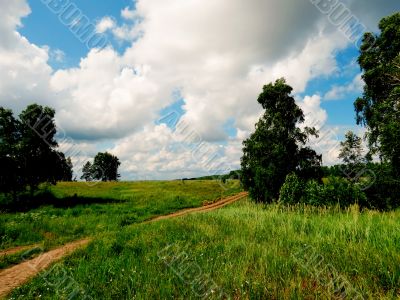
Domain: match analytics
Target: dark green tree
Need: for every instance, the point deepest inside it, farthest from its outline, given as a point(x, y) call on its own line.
point(277, 147)
point(37, 148)
point(351, 151)
point(87, 172)
point(10, 180)
point(379, 108)
point(105, 167)
point(28, 150)
point(66, 168)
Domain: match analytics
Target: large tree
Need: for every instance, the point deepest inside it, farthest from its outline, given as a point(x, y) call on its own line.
point(10, 169)
point(277, 147)
point(28, 150)
point(379, 108)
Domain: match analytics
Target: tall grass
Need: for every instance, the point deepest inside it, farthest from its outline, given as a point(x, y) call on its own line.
point(244, 251)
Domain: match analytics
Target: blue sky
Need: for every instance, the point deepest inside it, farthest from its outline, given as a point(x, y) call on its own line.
point(43, 27)
point(205, 61)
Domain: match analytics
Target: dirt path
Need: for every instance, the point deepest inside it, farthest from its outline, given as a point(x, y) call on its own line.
point(205, 208)
point(18, 249)
point(14, 277)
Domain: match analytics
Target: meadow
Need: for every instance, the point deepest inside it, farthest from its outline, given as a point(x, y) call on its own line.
point(243, 251)
point(69, 211)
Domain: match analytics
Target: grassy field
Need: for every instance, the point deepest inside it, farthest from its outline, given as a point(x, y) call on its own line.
point(244, 251)
point(73, 210)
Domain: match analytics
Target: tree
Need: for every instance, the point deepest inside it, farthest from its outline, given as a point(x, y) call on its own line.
point(87, 172)
point(105, 167)
point(40, 160)
point(28, 150)
point(277, 147)
point(351, 151)
point(379, 108)
point(66, 167)
point(9, 137)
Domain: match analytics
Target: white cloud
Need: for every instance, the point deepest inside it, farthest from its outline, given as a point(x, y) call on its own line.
point(159, 151)
point(107, 98)
point(126, 33)
point(23, 66)
point(128, 14)
point(315, 116)
point(58, 55)
point(341, 92)
point(105, 24)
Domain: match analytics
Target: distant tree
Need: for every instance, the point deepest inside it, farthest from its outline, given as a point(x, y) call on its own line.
point(277, 147)
point(66, 168)
point(379, 108)
point(87, 172)
point(105, 167)
point(351, 151)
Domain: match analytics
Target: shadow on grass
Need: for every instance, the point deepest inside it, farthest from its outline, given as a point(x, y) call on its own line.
point(45, 198)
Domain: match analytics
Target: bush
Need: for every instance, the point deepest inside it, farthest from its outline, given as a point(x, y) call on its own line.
point(336, 191)
point(314, 194)
point(292, 190)
point(341, 191)
point(384, 193)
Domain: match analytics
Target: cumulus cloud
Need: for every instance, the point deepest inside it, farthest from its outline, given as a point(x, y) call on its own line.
point(58, 55)
point(107, 98)
point(105, 24)
point(341, 92)
point(161, 152)
point(128, 14)
point(25, 73)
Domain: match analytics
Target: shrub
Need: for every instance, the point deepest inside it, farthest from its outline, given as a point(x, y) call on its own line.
point(341, 191)
point(384, 193)
point(335, 191)
point(292, 190)
point(314, 194)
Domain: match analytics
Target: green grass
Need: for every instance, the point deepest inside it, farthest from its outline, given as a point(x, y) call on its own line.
point(79, 210)
point(244, 251)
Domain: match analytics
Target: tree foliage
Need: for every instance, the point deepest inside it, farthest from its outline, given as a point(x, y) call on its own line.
point(104, 168)
point(28, 150)
point(9, 137)
point(277, 147)
point(351, 153)
point(379, 108)
point(335, 191)
point(87, 172)
point(351, 149)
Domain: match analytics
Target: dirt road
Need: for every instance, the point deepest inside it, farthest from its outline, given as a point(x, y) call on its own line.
point(15, 276)
point(216, 205)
